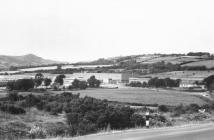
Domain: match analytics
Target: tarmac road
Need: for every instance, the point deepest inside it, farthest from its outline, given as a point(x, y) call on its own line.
point(188, 132)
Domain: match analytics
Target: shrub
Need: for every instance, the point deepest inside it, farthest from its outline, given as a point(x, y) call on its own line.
point(137, 120)
point(56, 129)
point(13, 96)
point(179, 110)
point(13, 130)
point(163, 108)
point(12, 109)
point(192, 108)
point(31, 100)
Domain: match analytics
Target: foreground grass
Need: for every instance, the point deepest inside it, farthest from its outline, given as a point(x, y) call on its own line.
point(16, 127)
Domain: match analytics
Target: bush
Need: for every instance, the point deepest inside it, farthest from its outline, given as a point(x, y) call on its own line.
point(31, 100)
point(192, 108)
point(13, 130)
point(56, 129)
point(163, 108)
point(13, 96)
point(137, 120)
point(12, 109)
point(179, 110)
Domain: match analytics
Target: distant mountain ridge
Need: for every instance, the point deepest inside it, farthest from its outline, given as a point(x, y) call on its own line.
point(24, 60)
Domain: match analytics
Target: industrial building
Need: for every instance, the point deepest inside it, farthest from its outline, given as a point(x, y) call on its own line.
point(105, 78)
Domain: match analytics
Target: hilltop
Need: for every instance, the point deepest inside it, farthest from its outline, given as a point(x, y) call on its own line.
point(24, 60)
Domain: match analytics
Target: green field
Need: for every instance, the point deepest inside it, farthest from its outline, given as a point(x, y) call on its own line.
point(144, 96)
point(183, 74)
point(206, 63)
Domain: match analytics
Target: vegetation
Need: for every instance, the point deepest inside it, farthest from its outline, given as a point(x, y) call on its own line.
point(93, 82)
point(59, 79)
point(21, 84)
point(209, 82)
point(39, 77)
point(77, 84)
point(47, 81)
point(198, 53)
point(84, 115)
point(156, 82)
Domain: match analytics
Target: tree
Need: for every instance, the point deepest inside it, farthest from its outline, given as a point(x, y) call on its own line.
point(47, 81)
point(75, 83)
point(39, 76)
point(83, 85)
point(209, 83)
point(59, 79)
point(21, 84)
point(93, 82)
point(79, 84)
point(38, 79)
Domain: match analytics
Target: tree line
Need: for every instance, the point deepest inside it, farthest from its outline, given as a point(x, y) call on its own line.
point(157, 82)
point(26, 84)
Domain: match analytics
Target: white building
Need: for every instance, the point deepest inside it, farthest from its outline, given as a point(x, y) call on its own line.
point(105, 78)
point(191, 83)
point(139, 79)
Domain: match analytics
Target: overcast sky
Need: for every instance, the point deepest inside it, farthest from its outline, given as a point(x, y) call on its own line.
point(77, 30)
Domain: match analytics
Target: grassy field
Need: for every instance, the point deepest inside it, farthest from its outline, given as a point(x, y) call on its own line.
point(171, 59)
point(144, 96)
point(206, 63)
point(183, 74)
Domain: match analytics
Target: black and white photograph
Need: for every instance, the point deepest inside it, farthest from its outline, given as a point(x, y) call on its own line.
point(106, 70)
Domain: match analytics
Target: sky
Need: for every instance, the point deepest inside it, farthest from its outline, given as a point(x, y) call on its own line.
point(85, 30)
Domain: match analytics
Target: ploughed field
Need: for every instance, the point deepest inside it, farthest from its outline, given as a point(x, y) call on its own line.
point(143, 96)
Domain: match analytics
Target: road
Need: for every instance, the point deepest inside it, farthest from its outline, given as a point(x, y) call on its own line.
point(188, 132)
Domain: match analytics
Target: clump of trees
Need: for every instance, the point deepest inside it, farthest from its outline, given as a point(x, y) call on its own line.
point(21, 84)
point(167, 82)
point(156, 82)
point(26, 84)
point(198, 53)
point(77, 84)
point(92, 82)
point(209, 83)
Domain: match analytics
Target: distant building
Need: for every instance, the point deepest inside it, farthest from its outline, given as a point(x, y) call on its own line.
point(191, 83)
point(105, 78)
point(139, 79)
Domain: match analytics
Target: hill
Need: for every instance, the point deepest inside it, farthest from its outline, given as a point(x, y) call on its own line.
point(25, 60)
point(151, 58)
point(183, 60)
